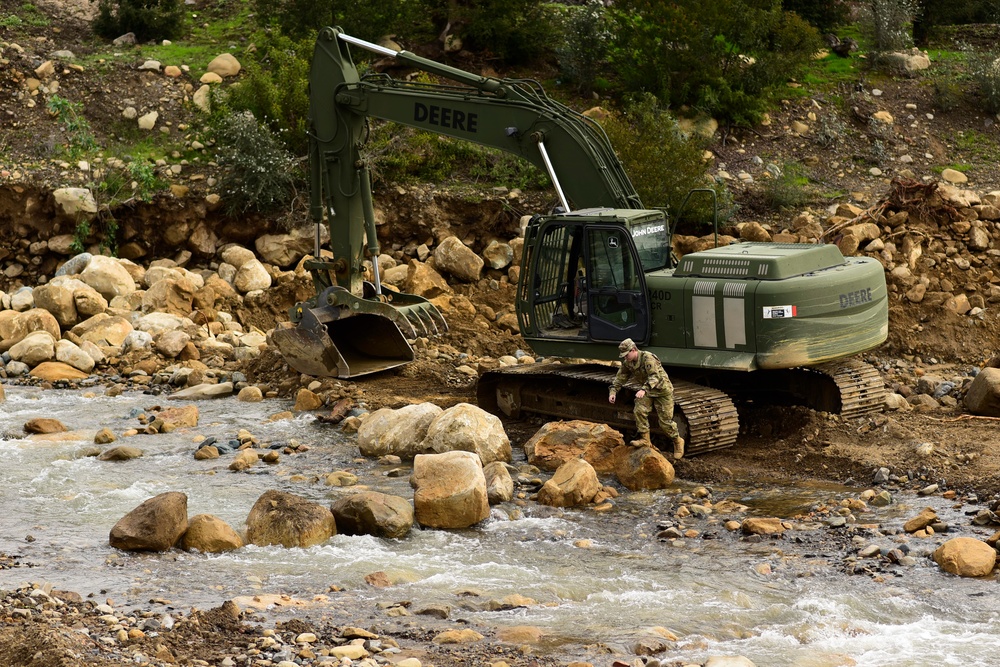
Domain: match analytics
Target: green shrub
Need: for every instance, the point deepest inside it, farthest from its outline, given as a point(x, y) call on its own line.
point(514, 31)
point(258, 173)
point(273, 86)
point(726, 57)
point(148, 19)
point(367, 20)
point(985, 70)
point(886, 25)
point(824, 14)
point(662, 163)
point(948, 94)
point(787, 190)
point(586, 39)
point(79, 137)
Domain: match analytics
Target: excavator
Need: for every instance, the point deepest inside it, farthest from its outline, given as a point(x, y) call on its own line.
point(755, 322)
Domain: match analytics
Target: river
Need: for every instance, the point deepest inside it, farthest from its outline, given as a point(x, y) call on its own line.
point(602, 581)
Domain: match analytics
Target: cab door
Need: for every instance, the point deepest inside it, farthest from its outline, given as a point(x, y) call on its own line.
point(617, 301)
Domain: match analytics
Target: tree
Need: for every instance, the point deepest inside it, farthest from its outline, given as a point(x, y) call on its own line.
point(147, 19)
point(724, 57)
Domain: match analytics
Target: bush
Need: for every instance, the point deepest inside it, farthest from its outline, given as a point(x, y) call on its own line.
point(274, 87)
point(258, 173)
point(726, 57)
point(367, 20)
point(985, 70)
point(515, 31)
point(824, 14)
point(786, 190)
point(148, 19)
point(662, 164)
point(948, 94)
point(886, 25)
point(584, 51)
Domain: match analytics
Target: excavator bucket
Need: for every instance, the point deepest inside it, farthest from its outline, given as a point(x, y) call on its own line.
point(349, 336)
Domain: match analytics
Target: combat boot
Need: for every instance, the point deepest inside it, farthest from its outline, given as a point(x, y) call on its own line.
point(678, 447)
point(642, 440)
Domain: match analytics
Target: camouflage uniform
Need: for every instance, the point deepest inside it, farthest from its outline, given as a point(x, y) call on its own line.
point(647, 372)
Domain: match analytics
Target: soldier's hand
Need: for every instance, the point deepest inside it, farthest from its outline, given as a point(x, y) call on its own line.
point(611, 399)
point(640, 393)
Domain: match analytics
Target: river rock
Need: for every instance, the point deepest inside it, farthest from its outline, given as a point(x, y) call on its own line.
point(926, 517)
point(203, 392)
point(3, 394)
point(236, 255)
point(372, 513)
point(400, 432)
point(59, 301)
point(285, 250)
point(120, 453)
point(556, 443)
point(68, 353)
point(574, 483)
point(15, 326)
point(211, 535)
point(498, 255)
point(983, 397)
point(469, 428)
point(171, 343)
point(449, 490)
point(499, 484)
point(289, 520)
point(966, 557)
point(306, 400)
point(424, 281)
point(108, 276)
point(643, 468)
point(53, 371)
point(103, 330)
point(33, 349)
point(245, 459)
point(252, 276)
point(465, 636)
point(250, 394)
point(183, 416)
point(206, 453)
point(454, 257)
point(155, 525)
point(729, 661)
point(44, 425)
point(104, 436)
point(762, 526)
point(75, 203)
point(170, 296)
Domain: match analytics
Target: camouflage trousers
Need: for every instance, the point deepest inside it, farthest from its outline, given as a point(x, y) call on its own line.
point(664, 405)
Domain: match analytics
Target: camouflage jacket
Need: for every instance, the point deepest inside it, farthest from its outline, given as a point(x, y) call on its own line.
point(647, 372)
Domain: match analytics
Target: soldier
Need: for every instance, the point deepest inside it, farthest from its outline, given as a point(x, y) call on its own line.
point(645, 369)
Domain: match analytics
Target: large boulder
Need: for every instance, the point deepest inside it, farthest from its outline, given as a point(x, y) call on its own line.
point(211, 535)
point(574, 483)
point(373, 513)
point(155, 525)
point(252, 276)
point(108, 276)
point(983, 397)
point(75, 203)
point(454, 257)
point(449, 490)
point(556, 443)
point(424, 281)
point(59, 301)
point(15, 326)
point(643, 468)
point(54, 371)
point(966, 557)
point(103, 330)
point(469, 428)
point(35, 348)
point(285, 250)
point(289, 520)
point(400, 432)
point(173, 296)
point(68, 353)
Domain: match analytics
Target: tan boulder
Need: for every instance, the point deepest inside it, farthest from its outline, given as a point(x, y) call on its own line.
point(372, 513)
point(181, 416)
point(926, 517)
point(399, 432)
point(454, 257)
point(966, 557)
point(108, 276)
point(643, 468)
point(983, 396)
point(35, 348)
point(289, 520)
point(466, 427)
point(120, 453)
point(449, 490)
point(53, 371)
point(211, 535)
point(499, 483)
point(57, 300)
point(307, 400)
point(44, 425)
point(762, 526)
point(574, 483)
point(424, 281)
point(244, 459)
point(556, 443)
point(155, 525)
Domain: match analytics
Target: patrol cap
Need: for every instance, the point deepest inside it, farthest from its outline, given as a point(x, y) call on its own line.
point(625, 347)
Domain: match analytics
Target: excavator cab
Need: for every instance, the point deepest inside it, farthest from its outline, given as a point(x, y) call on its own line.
point(583, 278)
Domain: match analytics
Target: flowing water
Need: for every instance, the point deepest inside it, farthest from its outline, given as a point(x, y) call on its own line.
point(600, 579)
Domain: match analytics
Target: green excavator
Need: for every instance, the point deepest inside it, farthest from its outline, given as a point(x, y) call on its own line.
point(760, 322)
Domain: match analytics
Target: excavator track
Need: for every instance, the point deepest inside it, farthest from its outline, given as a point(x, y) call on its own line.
point(859, 384)
point(706, 417)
